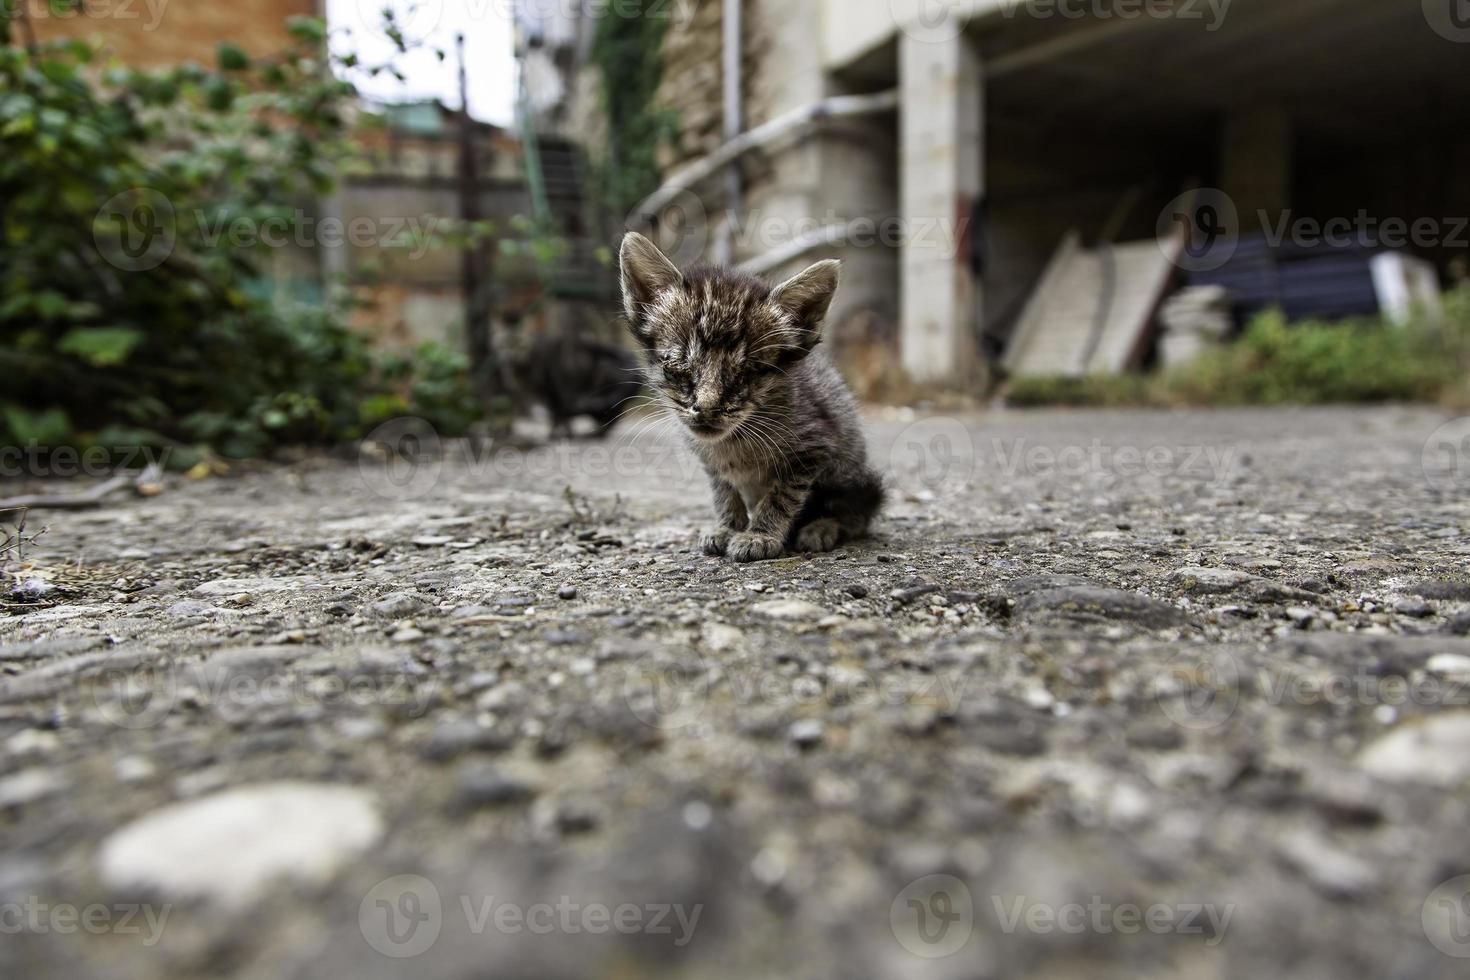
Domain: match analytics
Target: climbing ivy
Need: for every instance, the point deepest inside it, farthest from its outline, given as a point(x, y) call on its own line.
point(628, 48)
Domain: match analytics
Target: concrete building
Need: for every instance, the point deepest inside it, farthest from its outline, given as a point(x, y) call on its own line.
point(1019, 124)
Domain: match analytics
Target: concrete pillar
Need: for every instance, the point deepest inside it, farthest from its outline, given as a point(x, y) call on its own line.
point(1256, 170)
point(941, 160)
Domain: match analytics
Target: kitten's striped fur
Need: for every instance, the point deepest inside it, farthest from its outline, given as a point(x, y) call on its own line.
point(738, 363)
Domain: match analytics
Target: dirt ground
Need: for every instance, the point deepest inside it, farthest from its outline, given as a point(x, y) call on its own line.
point(1107, 694)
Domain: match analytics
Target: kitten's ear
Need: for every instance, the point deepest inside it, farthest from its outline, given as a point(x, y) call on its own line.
point(647, 274)
point(808, 296)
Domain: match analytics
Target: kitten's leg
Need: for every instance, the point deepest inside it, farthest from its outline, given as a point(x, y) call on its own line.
point(823, 534)
point(732, 516)
point(835, 514)
point(771, 523)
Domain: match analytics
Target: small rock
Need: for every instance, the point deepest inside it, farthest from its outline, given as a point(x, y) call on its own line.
point(789, 609)
point(1454, 666)
point(721, 637)
point(28, 786)
point(905, 596)
point(1459, 625)
point(454, 738)
point(229, 847)
point(481, 786)
point(857, 590)
point(807, 733)
point(1332, 871)
point(1094, 603)
point(1208, 581)
point(399, 605)
point(1436, 751)
point(190, 607)
point(1454, 589)
point(1415, 608)
point(567, 592)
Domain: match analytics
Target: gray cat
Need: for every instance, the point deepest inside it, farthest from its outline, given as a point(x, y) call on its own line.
point(768, 415)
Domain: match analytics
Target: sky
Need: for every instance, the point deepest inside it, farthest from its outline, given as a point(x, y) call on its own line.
point(489, 46)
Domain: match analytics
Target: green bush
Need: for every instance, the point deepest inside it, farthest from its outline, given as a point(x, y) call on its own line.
point(124, 318)
point(1275, 362)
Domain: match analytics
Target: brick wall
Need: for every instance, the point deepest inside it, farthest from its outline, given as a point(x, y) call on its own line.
point(154, 33)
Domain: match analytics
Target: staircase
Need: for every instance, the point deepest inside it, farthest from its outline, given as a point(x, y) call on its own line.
point(577, 274)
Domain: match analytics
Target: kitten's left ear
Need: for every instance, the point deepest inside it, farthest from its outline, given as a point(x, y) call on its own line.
point(808, 295)
point(646, 275)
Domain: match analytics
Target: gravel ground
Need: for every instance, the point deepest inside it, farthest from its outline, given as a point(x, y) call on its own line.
point(1107, 694)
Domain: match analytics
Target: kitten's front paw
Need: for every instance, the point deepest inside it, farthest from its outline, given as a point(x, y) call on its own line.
point(821, 535)
point(746, 547)
point(715, 542)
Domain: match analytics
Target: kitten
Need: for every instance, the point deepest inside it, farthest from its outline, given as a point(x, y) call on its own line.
point(767, 414)
point(575, 376)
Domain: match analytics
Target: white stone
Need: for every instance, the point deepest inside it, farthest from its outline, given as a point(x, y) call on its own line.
point(721, 637)
point(1455, 666)
point(789, 609)
point(1437, 751)
point(229, 847)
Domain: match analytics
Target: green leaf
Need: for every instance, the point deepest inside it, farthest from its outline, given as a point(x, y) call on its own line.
point(232, 58)
point(219, 94)
point(44, 428)
point(101, 346)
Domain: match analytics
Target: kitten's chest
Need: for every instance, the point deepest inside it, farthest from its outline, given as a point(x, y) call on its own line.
point(752, 487)
point(750, 479)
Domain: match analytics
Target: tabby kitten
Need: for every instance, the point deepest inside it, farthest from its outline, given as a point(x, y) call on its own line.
point(768, 415)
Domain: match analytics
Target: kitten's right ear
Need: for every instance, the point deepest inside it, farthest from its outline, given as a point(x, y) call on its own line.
point(647, 274)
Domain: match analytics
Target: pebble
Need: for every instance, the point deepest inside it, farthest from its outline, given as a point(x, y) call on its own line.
point(1100, 603)
point(1455, 666)
point(229, 847)
point(399, 605)
point(455, 738)
point(1415, 608)
point(482, 786)
point(567, 592)
point(789, 609)
point(28, 786)
point(1328, 868)
point(1208, 581)
point(1435, 751)
point(806, 733)
point(721, 637)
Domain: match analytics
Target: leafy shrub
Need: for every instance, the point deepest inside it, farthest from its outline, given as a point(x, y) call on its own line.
point(1276, 362)
point(123, 317)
